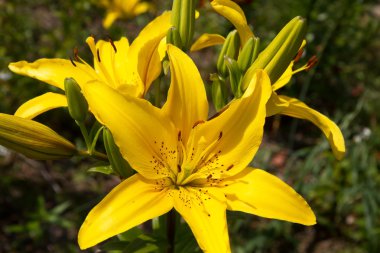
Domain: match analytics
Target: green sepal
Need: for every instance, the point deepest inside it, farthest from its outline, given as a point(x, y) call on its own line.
point(235, 76)
point(119, 165)
point(230, 49)
point(276, 57)
point(248, 54)
point(33, 139)
point(77, 104)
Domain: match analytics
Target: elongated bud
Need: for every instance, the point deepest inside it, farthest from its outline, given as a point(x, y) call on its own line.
point(33, 139)
point(183, 18)
point(230, 49)
point(173, 37)
point(276, 57)
point(119, 165)
point(78, 107)
point(235, 76)
point(248, 54)
point(218, 92)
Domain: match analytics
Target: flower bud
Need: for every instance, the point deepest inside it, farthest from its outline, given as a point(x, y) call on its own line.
point(218, 92)
point(173, 37)
point(276, 57)
point(33, 139)
point(119, 165)
point(183, 18)
point(230, 49)
point(235, 76)
point(78, 107)
point(248, 54)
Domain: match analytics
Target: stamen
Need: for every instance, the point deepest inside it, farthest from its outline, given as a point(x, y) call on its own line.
point(311, 62)
point(298, 56)
point(112, 44)
point(230, 167)
point(179, 136)
point(76, 54)
point(198, 122)
point(97, 53)
point(72, 62)
point(179, 168)
point(220, 136)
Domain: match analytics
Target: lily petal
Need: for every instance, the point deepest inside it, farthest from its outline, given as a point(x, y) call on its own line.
point(54, 71)
point(143, 52)
point(258, 192)
point(38, 105)
point(204, 209)
point(142, 8)
point(235, 135)
point(298, 109)
point(110, 18)
point(187, 100)
point(129, 204)
point(141, 131)
point(232, 11)
point(207, 40)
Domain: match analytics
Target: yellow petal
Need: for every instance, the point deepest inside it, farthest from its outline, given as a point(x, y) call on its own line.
point(204, 209)
point(207, 40)
point(235, 15)
point(110, 18)
point(143, 52)
point(285, 78)
point(276, 104)
point(54, 71)
point(297, 109)
point(41, 104)
point(235, 135)
point(258, 192)
point(187, 100)
point(147, 139)
point(129, 204)
point(141, 8)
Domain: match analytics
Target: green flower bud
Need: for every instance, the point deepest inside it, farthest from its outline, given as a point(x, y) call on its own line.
point(218, 92)
point(248, 54)
point(173, 37)
point(33, 139)
point(183, 18)
point(230, 49)
point(276, 57)
point(235, 76)
point(78, 107)
point(119, 165)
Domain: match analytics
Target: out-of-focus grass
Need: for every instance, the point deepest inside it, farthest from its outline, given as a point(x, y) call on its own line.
point(43, 204)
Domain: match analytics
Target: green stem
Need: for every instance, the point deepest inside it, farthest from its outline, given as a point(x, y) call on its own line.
point(86, 137)
point(94, 154)
point(170, 229)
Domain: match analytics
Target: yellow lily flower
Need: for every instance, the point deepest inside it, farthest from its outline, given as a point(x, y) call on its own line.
point(186, 162)
point(278, 104)
point(129, 69)
point(123, 8)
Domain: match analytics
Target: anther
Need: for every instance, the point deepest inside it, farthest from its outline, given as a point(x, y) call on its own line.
point(198, 122)
point(298, 56)
point(179, 135)
point(112, 44)
point(97, 53)
point(179, 168)
point(72, 62)
point(209, 176)
point(311, 62)
point(76, 54)
point(230, 167)
point(220, 135)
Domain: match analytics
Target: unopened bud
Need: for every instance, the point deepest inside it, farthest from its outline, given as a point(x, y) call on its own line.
point(235, 76)
point(276, 57)
point(33, 139)
point(218, 92)
point(248, 54)
point(78, 107)
point(230, 49)
point(183, 18)
point(119, 165)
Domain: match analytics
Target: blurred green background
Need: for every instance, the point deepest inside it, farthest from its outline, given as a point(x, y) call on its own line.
point(42, 204)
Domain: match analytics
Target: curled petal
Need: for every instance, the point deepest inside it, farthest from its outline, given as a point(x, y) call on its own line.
point(207, 40)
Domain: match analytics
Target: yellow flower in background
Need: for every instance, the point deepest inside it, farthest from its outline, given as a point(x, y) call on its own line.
point(186, 162)
point(129, 69)
point(276, 104)
point(123, 9)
